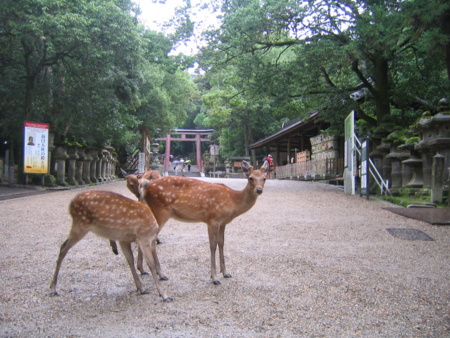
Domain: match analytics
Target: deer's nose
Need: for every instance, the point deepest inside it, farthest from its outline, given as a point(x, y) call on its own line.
point(259, 191)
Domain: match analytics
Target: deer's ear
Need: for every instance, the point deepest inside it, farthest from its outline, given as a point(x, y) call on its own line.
point(246, 165)
point(124, 173)
point(263, 169)
point(246, 168)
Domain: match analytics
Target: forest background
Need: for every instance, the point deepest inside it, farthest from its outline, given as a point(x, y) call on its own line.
point(99, 76)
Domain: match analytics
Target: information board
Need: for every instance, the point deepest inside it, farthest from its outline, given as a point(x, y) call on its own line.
point(364, 166)
point(349, 160)
point(35, 148)
point(141, 163)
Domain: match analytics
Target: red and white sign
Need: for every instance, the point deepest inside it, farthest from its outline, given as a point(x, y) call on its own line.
point(35, 148)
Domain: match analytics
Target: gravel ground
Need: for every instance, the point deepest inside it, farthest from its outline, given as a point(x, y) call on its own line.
point(306, 260)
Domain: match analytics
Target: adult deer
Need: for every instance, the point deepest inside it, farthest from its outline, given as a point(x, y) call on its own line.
point(115, 217)
point(133, 185)
point(192, 200)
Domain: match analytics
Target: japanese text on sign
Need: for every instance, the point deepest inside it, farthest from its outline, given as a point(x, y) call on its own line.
point(36, 148)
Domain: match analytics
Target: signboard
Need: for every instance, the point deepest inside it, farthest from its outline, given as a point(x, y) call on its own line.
point(35, 148)
point(214, 150)
point(364, 166)
point(141, 163)
point(349, 160)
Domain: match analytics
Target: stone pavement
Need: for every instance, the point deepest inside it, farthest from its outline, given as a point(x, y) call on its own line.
point(16, 191)
point(306, 260)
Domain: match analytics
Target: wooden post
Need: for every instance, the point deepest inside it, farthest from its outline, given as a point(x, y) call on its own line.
point(167, 158)
point(199, 153)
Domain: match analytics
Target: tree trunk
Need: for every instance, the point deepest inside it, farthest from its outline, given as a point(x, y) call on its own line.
point(247, 134)
point(381, 69)
point(447, 59)
point(29, 90)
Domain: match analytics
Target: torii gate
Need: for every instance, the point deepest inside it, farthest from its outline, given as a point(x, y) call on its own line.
point(198, 133)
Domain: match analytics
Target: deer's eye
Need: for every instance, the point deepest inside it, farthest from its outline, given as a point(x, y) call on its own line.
point(250, 179)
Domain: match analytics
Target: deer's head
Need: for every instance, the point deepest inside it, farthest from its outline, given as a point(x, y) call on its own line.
point(256, 178)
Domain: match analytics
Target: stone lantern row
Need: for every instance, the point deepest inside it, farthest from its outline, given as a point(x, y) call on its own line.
point(422, 165)
point(79, 166)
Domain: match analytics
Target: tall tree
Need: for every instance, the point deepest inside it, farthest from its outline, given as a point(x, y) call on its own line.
point(90, 69)
point(239, 116)
point(328, 50)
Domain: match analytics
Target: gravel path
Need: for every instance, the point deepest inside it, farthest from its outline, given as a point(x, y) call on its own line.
point(306, 260)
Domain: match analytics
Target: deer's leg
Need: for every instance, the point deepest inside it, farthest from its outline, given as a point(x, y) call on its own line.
point(213, 232)
point(146, 247)
point(157, 264)
point(221, 242)
point(140, 265)
point(126, 249)
point(140, 262)
point(74, 237)
point(114, 247)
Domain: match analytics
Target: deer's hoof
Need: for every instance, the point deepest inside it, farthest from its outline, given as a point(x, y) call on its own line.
point(145, 292)
point(167, 299)
point(143, 273)
point(216, 282)
point(227, 275)
point(53, 294)
point(163, 278)
point(116, 252)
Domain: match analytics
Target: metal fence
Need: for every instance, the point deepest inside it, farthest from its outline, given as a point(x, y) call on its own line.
point(312, 170)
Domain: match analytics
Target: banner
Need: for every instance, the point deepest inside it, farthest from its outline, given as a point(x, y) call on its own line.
point(35, 148)
point(141, 163)
point(364, 167)
point(349, 160)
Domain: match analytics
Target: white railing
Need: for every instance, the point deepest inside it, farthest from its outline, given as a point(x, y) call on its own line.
point(382, 184)
point(315, 169)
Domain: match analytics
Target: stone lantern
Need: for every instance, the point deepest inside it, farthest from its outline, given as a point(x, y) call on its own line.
point(434, 139)
point(397, 155)
point(72, 151)
point(60, 156)
point(156, 165)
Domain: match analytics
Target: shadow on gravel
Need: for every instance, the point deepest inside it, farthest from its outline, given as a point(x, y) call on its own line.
point(429, 215)
point(24, 194)
point(409, 234)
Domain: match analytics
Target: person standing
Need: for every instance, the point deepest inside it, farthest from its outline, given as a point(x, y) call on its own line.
point(271, 168)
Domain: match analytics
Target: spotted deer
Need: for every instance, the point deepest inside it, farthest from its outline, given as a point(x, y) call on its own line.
point(132, 181)
point(115, 217)
point(193, 200)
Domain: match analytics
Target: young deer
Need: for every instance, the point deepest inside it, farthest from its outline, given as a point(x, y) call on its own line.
point(115, 217)
point(133, 185)
point(192, 200)
point(133, 180)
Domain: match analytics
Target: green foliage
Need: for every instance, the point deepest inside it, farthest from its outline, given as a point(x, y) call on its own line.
point(239, 115)
point(312, 55)
point(406, 198)
point(90, 70)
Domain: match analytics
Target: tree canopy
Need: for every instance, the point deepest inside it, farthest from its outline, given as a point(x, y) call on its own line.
point(90, 69)
point(388, 60)
point(95, 73)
